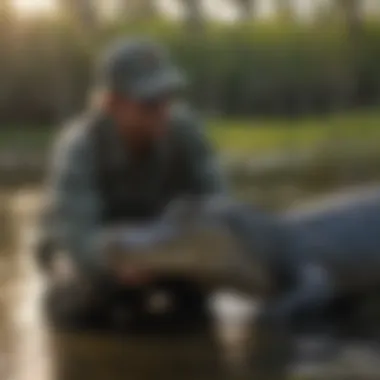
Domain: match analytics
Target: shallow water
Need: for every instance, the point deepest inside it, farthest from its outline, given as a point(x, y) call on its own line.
point(30, 351)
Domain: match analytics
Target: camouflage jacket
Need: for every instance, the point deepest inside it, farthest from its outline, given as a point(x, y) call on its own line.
point(75, 202)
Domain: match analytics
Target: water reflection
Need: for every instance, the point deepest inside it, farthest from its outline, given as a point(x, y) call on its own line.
point(29, 351)
point(191, 358)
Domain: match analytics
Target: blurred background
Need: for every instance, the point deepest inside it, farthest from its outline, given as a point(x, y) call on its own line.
point(290, 94)
point(289, 88)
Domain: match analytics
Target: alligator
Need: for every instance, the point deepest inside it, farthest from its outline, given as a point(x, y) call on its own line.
point(299, 262)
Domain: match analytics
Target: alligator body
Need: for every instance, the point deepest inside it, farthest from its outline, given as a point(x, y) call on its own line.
point(335, 240)
point(299, 262)
point(322, 253)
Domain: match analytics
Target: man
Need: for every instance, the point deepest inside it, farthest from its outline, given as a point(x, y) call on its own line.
point(127, 159)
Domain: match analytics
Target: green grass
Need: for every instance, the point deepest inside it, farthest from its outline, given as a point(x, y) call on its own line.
point(25, 137)
point(260, 136)
point(244, 137)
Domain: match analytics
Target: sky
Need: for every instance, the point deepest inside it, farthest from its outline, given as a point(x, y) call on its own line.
point(221, 9)
point(34, 6)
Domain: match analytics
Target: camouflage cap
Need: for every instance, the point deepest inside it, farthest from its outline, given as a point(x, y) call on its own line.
point(139, 68)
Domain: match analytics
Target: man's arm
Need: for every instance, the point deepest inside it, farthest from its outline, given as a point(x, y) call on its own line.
point(75, 204)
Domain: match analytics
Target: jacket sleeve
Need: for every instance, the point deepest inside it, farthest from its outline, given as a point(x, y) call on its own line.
point(74, 202)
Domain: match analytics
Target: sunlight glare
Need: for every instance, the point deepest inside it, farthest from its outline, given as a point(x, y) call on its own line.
point(34, 6)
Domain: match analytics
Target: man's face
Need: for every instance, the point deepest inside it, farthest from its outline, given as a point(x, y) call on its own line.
point(141, 121)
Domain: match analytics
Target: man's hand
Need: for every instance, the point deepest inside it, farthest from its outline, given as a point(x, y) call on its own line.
point(118, 242)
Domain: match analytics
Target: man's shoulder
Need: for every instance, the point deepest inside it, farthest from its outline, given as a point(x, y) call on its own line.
point(186, 124)
point(74, 135)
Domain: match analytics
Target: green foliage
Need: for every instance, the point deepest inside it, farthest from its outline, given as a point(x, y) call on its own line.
point(255, 137)
point(278, 68)
point(244, 137)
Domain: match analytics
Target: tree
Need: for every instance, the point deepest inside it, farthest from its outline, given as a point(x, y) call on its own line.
point(246, 9)
point(194, 14)
point(83, 15)
point(83, 12)
point(5, 13)
point(352, 11)
point(138, 9)
point(147, 9)
point(285, 8)
point(6, 26)
point(6, 47)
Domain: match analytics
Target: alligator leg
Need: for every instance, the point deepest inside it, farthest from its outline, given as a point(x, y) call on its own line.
point(275, 337)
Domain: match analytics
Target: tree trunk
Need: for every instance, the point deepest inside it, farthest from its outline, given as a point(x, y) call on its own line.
point(246, 9)
point(88, 13)
point(7, 47)
point(83, 12)
point(285, 8)
point(194, 15)
point(147, 9)
point(5, 15)
point(352, 13)
point(137, 10)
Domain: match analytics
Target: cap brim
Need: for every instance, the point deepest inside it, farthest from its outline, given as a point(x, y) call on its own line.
point(160, 84)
